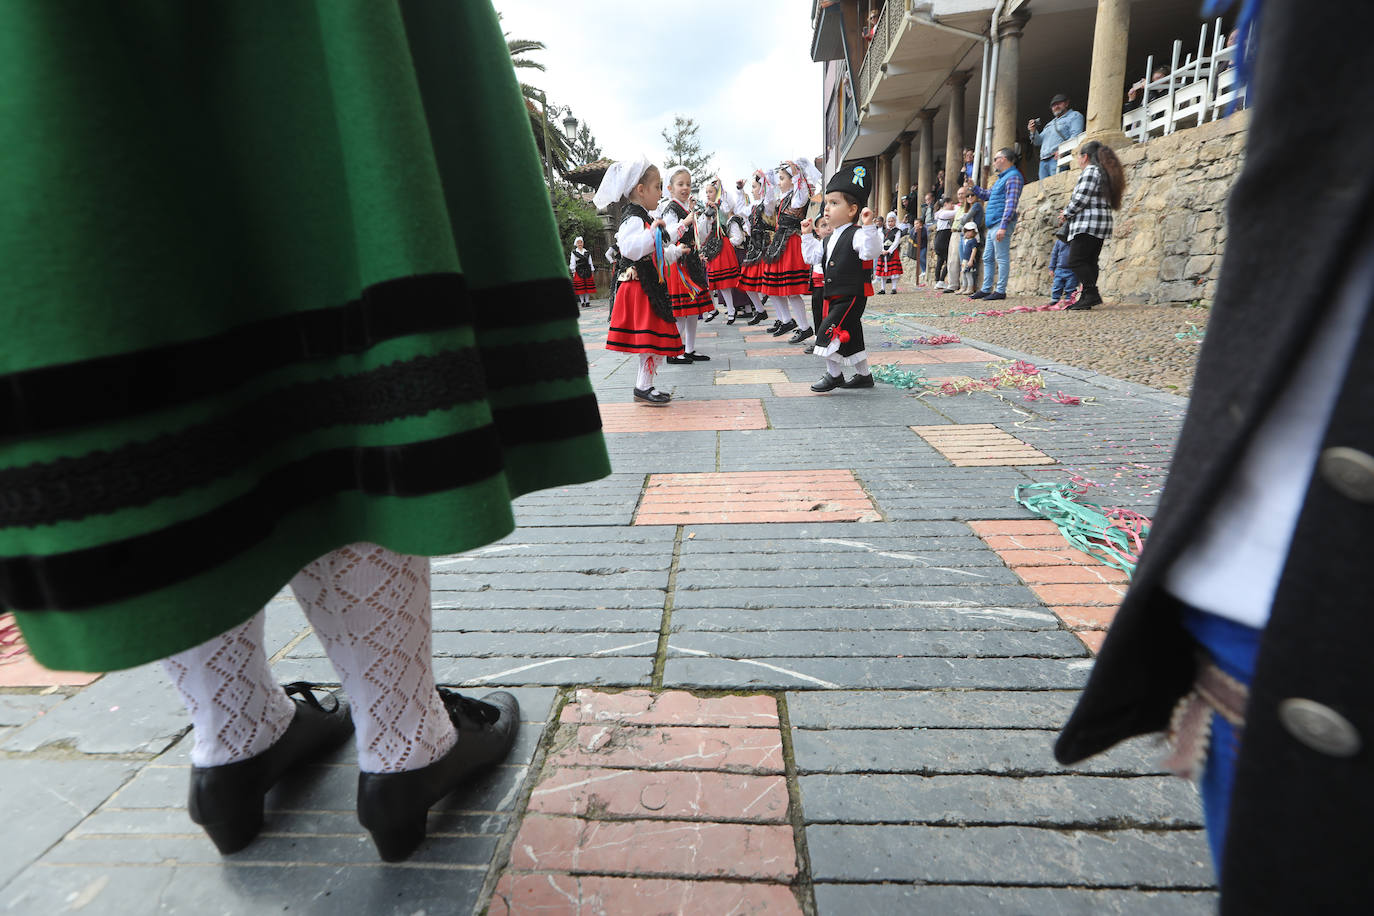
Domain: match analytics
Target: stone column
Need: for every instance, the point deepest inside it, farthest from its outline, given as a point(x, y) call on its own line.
point(903, 168)
point(925, 168)
point(1005, 115)
point(954, 141)
point(1110, 34)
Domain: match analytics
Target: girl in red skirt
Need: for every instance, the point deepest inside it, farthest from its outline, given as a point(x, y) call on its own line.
point(759, 230)
point(688, 286)
point(724, 230)
point(889, 266)
point(786, 275)
point(584, 280)
point(641, 316)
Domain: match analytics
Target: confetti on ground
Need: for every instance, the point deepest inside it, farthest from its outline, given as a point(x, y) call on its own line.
point(1193, 333)
point(1114, 535)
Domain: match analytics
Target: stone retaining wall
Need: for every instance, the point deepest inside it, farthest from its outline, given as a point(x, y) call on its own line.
point(1171, 227)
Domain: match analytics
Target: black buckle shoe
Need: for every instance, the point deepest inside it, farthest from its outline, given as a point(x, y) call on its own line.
point(652, 396)
point(859, 381)
point(785, 328)
point(393, 806)
point(715, 313)
point(227, 800)
point(802, 334)
point(828, 382)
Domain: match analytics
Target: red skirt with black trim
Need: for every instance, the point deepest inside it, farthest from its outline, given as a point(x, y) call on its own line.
point(789, 275)
point(584, 286)
point(751, 277)
point(636, 328)
point(685, 304)
point(723, 270)
point(889, 265)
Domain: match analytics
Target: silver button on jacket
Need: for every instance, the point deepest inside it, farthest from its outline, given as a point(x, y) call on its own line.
point(1319, 727)
point(1349, 471)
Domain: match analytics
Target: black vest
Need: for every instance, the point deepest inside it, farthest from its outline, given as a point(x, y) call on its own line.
point(644, 267)
point(758, 235)
point(845, 274)
point(690, 260)
point(584, 263)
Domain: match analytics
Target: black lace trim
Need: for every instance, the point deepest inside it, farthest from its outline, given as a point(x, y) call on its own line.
point(138, 474)
point(521, 304)
point(53, 398)
point(758, 235)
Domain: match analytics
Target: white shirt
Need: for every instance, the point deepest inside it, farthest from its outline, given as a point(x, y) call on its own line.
point(636, 241)
point(867, 241)
point(1232, 568)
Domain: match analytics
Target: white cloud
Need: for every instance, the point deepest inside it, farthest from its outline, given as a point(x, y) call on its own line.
point(627, 67)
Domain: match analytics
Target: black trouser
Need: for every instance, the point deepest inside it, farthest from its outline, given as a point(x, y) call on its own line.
point(817, 307)
point(1083, 252)
point(941, 253)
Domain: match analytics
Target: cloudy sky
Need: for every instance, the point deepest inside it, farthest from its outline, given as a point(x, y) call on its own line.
point(627, 66)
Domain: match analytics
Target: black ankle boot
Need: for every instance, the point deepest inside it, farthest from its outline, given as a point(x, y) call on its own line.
point(394, 806)
point(227, 800)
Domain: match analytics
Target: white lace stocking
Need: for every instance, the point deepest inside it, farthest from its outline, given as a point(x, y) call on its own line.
point(236, 706)
point(370, 608)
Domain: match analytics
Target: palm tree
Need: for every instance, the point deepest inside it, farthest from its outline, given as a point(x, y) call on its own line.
point(542, 115)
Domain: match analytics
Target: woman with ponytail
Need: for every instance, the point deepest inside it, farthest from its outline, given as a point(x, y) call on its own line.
point(1089, 215)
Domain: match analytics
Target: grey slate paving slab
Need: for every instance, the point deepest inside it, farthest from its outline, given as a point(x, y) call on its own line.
point(125, 712)
point(838, 673)
point(43, 799)
point(21, 708)
point(452, 615)
point(900, 900)
point(1071, 801)
point(888, 643)
point(839, 597)
point(937, 615)
point(930, 709)
point(1010, 855)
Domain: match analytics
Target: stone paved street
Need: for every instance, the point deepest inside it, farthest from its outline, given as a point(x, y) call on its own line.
point(798, 654)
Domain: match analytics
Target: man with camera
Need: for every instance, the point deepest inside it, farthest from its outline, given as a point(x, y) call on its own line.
point(1065, 125)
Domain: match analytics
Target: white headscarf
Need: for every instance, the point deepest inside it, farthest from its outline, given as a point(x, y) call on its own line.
point(813, 174)
point(892, 214)
point(620, 180)
point(673, 170)
point(576, 240)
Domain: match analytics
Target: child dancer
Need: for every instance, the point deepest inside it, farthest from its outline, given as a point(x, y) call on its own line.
point(786, 276)
point(889, 266)
point(641, 315)
point(580, 263)
point(718, 247)
point(821, 232)
point(847, 257)
point(759, 230)
point(688, 287)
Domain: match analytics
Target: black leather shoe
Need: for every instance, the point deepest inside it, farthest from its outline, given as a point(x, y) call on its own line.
point(394, 806)
point(859, 381)
point(828, 382)
point(979, 295)
point(227, 800)
point(995, 297)
point(809, 349)
point(802, 334)
point(730, 320)
point(760, 315)
point(696, 357)
point(683, 360)
point(715, 313)
point(882, 292)
point(652, 397)
point(785, 328)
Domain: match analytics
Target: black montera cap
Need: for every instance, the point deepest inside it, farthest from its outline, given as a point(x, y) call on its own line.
point(851, 180)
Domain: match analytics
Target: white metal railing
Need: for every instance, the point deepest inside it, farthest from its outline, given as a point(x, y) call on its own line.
point(890, 22)
point(1201, 87)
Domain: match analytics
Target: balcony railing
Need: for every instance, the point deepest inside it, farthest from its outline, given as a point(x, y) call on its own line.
point(884, 35)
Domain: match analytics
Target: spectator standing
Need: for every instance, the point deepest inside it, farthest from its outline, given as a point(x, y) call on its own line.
point(944, 219)
point(966, 170)
point(975, 215)
point(911, 205)
point(928, 221)
point(1065, 125)
point(1063, 282)
point(1002, 199)
point(1089, 216)
point(968, 258)
point(1150, 94)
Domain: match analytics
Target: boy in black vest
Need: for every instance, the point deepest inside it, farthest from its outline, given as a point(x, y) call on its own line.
point(847, 258)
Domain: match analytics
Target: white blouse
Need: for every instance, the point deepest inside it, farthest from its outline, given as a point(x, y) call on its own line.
point(636, 241)
point(868, 244)
point(572, 258)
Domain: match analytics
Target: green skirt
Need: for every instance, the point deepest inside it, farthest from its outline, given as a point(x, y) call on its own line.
point(260, 299)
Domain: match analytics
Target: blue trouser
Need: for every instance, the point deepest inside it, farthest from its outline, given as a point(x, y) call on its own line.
point(1048, 167)
point(997, 254)
point(1233, 647)
point(1064, 283)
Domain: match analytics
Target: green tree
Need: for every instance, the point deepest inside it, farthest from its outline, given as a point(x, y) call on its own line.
point(575, 216)
point(585, 149)
point(543, 116)
point(685, 149)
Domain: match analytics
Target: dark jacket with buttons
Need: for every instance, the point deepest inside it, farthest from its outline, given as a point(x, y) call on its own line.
point(1299, 836)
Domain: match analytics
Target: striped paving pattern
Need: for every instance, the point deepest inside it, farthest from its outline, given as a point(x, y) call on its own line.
point(971, 445)
point(684, 416)
point(762, 496)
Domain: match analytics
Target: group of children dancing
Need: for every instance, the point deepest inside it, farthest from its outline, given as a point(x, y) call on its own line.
point(669, 260)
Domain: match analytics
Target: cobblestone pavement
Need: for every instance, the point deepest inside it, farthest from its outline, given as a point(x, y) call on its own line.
point(799, 654)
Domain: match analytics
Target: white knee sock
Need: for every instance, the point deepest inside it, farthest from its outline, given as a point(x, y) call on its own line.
point(648, 365)
point(834, 367)
point(687, 329)
point(370, 609)
point(236, 706)
point(756, 299)
point(861, 367)
point(784, 308)
point(727, 302)
point(800, 312)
